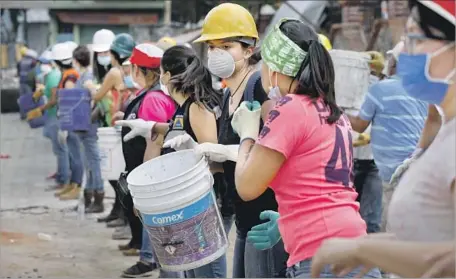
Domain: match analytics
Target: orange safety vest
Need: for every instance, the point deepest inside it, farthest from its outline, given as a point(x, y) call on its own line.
point(66, 75)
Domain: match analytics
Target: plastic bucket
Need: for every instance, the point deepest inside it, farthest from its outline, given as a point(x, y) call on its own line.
point(74, 109)
point(178, 207)
point(26, 104)
point(112, 160)
point(352, 77)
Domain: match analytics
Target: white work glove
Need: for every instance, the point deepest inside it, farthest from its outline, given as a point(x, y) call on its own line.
point(181, 142)
point(246, 120)
point(217, 152)
point(138, 127)
point(402, 168)
point(62, 136)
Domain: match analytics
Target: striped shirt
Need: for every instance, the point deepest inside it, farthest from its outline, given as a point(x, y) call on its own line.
point(397, 122)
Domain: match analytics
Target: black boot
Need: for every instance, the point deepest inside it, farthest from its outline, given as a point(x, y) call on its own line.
point(88, 195)
point(97, 205)
point(116, 209)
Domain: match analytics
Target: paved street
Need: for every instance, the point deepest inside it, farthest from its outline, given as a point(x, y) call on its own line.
point(40, 236)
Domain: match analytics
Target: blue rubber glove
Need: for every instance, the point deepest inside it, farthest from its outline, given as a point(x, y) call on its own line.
point(266, 235)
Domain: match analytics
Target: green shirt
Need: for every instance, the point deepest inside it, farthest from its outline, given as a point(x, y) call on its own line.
point(52, 80)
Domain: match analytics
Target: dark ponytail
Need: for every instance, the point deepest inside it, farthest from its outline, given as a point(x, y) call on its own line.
point(316, 76)
point(190, 77)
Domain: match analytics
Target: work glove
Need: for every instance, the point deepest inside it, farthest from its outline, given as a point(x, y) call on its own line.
point(246, 120)
point(34, 113)
point(363, 139)
point(266, 235)
point(402, 168)
point(62, 136)
point(138, 127)
point(38, 93)
point(217, 152)
point(181, 142)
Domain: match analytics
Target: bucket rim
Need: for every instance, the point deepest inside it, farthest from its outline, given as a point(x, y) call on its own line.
point(190, 151)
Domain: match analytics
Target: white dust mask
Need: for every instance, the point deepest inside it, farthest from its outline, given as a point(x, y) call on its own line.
point(46, 68)
point(104, 60)
point(164, 88)
point(221, 63)
point(274, 91)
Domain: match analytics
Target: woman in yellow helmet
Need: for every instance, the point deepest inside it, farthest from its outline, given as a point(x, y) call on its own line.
point(231, 35)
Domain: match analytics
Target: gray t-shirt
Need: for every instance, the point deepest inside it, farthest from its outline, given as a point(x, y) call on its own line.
point(423, 205)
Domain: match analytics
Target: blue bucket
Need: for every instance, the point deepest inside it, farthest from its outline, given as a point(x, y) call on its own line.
point(26, 104)
point(38, 122)
point(74, 109)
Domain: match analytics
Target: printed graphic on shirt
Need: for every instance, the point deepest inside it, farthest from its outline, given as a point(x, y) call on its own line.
point(178, 122)
point(273, 114)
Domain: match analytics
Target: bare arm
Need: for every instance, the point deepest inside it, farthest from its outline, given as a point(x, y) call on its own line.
point(52, 101)
point(153, 148)
point(404, 258)
point(203, 124)
point(359, 125)
point(255, 168)
point(109, 83)
point(431, 127)
point(160, 128)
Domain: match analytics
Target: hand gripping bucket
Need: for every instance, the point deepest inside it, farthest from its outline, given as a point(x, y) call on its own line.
point(26, 104)
point(177, 204)
point(112, 160)
point(74, 109)
point(352, 73)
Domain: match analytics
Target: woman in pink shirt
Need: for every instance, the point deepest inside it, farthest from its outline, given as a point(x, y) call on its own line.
point(304, 151)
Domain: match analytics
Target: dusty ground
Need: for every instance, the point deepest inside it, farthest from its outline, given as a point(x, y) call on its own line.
point(69, 247)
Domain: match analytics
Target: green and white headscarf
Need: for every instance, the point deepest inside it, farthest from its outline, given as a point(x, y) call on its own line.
point(280, 53)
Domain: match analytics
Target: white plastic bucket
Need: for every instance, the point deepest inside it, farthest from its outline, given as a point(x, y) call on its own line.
point(174, 195)
point(352, 77)
point(112, 160)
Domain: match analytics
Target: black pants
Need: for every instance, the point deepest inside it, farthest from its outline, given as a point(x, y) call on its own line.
point(134, 222)
point(117, 208)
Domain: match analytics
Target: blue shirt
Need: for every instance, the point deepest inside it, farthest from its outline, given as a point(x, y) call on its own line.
point(397, 122)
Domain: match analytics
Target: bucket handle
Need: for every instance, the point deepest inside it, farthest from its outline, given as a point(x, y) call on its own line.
point(78, 103)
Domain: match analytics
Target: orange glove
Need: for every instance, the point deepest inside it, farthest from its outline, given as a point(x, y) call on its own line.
point(35, 113)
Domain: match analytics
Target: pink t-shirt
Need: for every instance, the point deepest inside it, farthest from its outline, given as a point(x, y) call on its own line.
point(157, 106)
point(314, 186)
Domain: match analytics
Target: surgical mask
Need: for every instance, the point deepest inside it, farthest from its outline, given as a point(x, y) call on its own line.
point(221, 63)
point(373, 79)
point(274, 91)
point(164, 88)
point(413, 69)
point(128, 80)
point(46, 68)
point(104, 60)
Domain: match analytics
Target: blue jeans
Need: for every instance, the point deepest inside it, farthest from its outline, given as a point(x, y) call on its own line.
point(250, 262)
point(217, 268)
point(93, 161)
point(50, 130)
point(75, 154)
point(369, 186)
point(303, 270)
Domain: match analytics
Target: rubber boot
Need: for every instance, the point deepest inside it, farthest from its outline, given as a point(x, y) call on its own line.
point(88, 196)
point(73, 194)
point(114, 214)
point(66, 189)
point(97, 205)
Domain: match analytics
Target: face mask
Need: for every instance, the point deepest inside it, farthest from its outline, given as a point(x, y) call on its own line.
point(413, 69)
point(274, 91)
point(373, 79)
point(221, 63)
point(164, 88)
point(104, 60)
point(128, 80)
point(45, 68)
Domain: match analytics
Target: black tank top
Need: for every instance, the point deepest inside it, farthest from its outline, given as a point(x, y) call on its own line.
point(247, 213)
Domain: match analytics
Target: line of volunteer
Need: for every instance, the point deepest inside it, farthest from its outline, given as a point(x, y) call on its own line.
point(280, 149)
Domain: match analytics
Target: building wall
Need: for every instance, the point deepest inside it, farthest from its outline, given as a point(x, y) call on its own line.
point(38, 36)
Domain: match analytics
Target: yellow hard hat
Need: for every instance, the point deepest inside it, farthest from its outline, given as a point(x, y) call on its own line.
point(165, 43)
point(228, 20)
point(377, 62)
point(23, 50)
point(325, 41)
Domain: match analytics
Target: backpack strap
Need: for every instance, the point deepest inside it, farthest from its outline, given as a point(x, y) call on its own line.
point(250, 87)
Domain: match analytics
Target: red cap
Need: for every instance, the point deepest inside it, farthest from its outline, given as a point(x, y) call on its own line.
point(146, 55)
point(444, 8)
